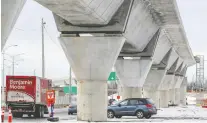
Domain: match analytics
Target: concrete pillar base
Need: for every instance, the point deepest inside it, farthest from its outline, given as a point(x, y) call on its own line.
point(130, 92)
point(89, 92)
point(183, 95)
point(164, 98)
point(177, 96)
point(154, 95)
point(172, 96)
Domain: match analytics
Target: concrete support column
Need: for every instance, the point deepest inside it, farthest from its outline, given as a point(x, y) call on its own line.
point(130, 92)
point(154, 79)
point(132, 74)
point(154, 95)
point(183, 91)
point(88, 94)
point(91, 59)
point(183, 95)
point(164, 98)
point(172, 96)
point(177, 96)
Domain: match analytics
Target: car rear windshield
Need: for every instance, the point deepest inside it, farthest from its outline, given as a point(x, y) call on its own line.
point(150, 101)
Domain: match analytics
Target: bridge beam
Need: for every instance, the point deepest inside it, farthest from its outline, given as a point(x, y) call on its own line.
point(9, 15)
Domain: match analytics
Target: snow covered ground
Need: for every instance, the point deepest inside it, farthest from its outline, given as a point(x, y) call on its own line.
point(187, 114)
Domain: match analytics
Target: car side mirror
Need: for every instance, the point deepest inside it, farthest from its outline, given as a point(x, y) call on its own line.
point(119, 105)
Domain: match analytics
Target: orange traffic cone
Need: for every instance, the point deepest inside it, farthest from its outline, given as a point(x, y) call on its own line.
point(10, 116)
point(2, 114)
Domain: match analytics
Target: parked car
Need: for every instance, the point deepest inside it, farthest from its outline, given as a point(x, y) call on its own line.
point(140, 107)
point(72, 109)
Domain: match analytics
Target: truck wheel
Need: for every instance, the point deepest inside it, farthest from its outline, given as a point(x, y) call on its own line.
point(14, 114)
point(42, 111)
point(37, 111)
point(19, 115)
point(29, 115)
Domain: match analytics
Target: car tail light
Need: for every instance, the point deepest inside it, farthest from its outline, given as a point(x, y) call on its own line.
point(149, 106)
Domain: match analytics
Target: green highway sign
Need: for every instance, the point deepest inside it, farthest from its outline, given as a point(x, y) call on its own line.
point(112, 76)
point(67, 90)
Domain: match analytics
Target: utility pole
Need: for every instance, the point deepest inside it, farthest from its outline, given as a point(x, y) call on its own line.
point(43, 50)
point(13, 65)
point(34, 72)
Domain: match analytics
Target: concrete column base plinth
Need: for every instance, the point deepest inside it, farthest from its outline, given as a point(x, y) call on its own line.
point(183, 92)
point(92, 101)
point(177, 96)
point(172, 96)
point(130, 92)
point(164, 98)
point(154, 95)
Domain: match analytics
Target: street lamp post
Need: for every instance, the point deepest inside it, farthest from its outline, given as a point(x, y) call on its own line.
point(13, 61)
point(3, 52)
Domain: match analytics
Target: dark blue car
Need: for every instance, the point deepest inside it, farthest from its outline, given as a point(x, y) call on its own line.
point(72, 109)
point(140, 107)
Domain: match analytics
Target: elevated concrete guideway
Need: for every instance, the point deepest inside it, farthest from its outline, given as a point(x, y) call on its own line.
point(150, 32)
point(10, 10)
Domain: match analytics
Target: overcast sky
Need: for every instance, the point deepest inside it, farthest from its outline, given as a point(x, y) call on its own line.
point(27, 35)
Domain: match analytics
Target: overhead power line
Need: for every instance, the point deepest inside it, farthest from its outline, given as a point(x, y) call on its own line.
point(51, 38)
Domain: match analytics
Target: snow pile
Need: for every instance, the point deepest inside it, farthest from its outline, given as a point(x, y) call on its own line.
point(190, 112)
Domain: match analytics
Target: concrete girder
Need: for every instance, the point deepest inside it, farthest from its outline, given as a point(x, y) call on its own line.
point(141, 26)
point(179, 64)
point(133, 73)
point(162, 47)
point(172, 69)
point(91, 59)
point(147, 52)
point(172, 59)
point(134, 19)
point(9, 15)
point(180, 44)
point(184, 70)
point(169, 16)
point(116, 24)
point(164, 62)
point(179, 69)
point(84, 12)
point(156, 74)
